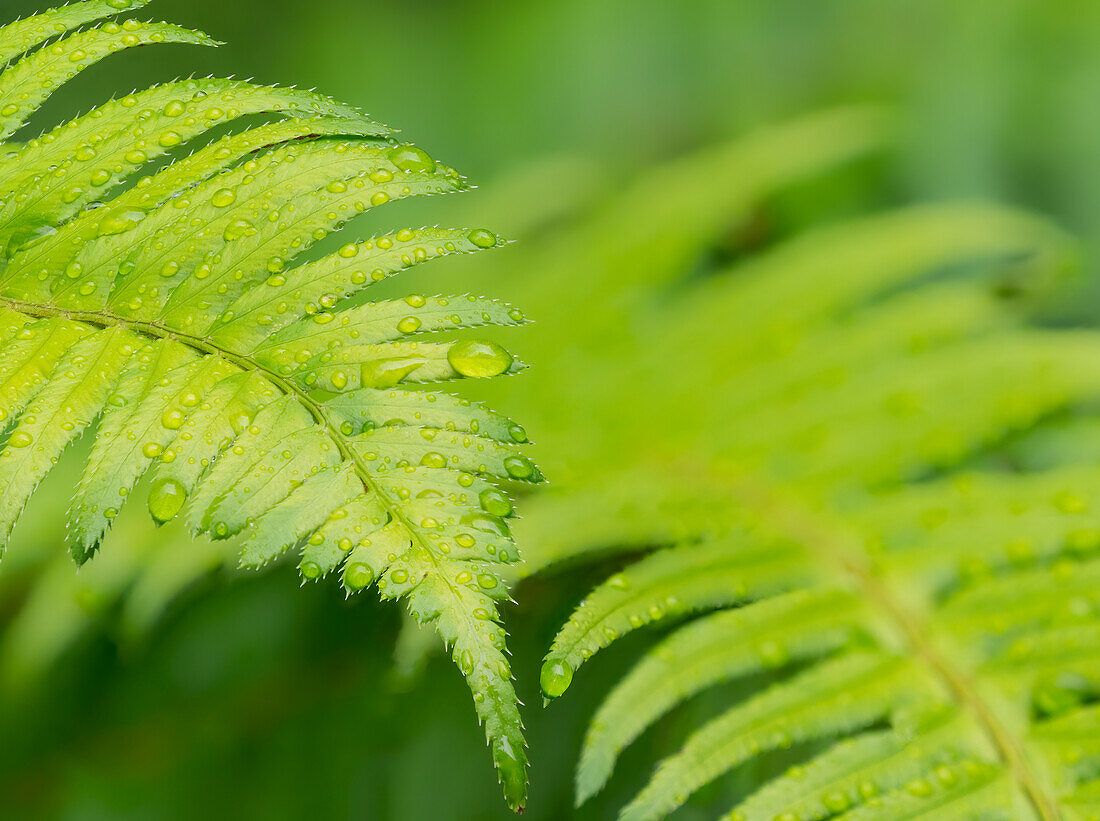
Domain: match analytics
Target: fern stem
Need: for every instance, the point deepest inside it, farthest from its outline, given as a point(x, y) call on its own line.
point(841, 547)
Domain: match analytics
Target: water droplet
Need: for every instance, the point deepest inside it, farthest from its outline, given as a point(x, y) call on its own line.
point(478, 358)
point(485, 523)
point(482, 238)
point(223, 198)
point(358, 575)
point(487, 581)
point(166, 498)
point(519, 467)
point(466, 662)
point(172, 419)
point(20, 439)
point(237, 229)
point(117, 223)
point(946, 776)
point(1067, 501)
point(518, 433)
point(385, 373)
point(919, 788)
point(309, 570)
point(494, 502)
point(412, 159)
point(431, 459)
point(409, 324)
point(555, 678)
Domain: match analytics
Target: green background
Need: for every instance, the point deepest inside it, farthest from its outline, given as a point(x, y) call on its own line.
point(254, 698)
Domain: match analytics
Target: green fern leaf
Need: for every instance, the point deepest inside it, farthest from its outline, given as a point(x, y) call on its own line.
point(173, 310)
point(853, 468)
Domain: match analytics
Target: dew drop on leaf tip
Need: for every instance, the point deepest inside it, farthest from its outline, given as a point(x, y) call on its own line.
point(555, 678)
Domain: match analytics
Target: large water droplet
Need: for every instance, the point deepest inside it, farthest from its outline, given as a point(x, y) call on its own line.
point(385, 373)
point(519, 467)
point(411, 158)
point(117, 223)
point(357, 575)
point(494, 502)
point(172, 419)
point(409, 324)
point(432, 459)
point(482, 238)
point(478, 358)
point(485, 523)
point(237, 229)
point(309, 570)
point(223, 198)
point(555, 678)
point(166, 498)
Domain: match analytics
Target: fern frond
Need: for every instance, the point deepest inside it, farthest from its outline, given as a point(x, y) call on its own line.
point(719, 647)
point(174, 310)
point(823, 467)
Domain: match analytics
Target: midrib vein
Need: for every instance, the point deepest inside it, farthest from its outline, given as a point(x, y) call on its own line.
point(841, 547)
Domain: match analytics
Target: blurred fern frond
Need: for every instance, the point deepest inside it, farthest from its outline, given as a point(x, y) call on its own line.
point(158, 293)
point(843, 445)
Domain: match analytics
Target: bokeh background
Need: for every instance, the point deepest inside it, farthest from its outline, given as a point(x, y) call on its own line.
point(247, 697)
